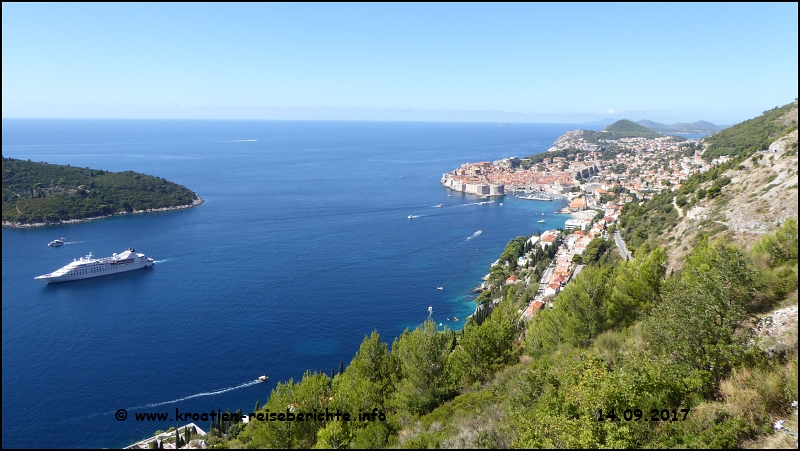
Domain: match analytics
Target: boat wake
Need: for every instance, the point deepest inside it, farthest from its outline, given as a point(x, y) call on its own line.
point(72, 242)
point(210, 393)
point(160, 261)
point(474, 235)
point(477, 203)
point(72, 419)
point(415, 216)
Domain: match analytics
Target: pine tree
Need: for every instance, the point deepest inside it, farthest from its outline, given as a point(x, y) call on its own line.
point(258, 406)
point(341, 366)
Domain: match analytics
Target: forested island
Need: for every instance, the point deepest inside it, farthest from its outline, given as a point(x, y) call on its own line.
point(38, 193)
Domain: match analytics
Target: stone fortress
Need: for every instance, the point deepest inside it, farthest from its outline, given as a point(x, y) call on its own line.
point(500, 177)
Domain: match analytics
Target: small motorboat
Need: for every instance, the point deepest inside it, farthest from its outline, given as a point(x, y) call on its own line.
point(58, 242)
point(410, 217)
point(541, 220)
point(263, 378)
point(440, 288)
point(440, 205)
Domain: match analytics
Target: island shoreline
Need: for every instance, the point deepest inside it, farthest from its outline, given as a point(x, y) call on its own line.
point(16, 225)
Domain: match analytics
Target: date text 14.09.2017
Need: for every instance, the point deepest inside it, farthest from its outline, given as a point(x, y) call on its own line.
point(639, 415)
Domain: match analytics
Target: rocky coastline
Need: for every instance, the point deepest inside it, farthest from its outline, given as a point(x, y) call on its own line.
point(17, 225)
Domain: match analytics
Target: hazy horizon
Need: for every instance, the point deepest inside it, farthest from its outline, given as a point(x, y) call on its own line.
point(538, 63)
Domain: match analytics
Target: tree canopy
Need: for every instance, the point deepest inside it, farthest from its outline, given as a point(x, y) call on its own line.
point(40, 192)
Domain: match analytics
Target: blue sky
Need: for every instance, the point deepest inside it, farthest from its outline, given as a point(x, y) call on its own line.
point(453, 62)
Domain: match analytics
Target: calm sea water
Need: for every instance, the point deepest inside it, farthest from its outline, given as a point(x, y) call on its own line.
point(301, 248)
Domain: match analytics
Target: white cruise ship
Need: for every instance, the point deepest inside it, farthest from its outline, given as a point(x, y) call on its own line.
point(87, 267)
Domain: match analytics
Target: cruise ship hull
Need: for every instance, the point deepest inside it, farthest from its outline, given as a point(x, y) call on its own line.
point(88, 267)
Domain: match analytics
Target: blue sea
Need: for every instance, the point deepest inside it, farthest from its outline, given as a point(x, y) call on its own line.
point(302, 247)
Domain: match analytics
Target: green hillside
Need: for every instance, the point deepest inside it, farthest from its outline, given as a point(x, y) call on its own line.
point(754, 134)
point(627, 129)
point(630, 356)
point(40, 192)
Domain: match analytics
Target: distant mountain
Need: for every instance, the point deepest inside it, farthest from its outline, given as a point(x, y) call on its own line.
point(627, 129)
point(620, 129)
point(681, 127)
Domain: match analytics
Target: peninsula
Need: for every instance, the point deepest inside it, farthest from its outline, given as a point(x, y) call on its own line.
point(40, 194)
point(623, 155)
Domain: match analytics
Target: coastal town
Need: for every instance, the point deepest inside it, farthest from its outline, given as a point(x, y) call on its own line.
point(597, 177)
point(642, 166)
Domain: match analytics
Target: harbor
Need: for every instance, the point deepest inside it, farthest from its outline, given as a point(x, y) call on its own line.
point(540, 195)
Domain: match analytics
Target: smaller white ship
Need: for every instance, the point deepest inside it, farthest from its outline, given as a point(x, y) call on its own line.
point(263, 378)
point(440, 288)
point(541, 220)
point(57, 242)
point(410, 217)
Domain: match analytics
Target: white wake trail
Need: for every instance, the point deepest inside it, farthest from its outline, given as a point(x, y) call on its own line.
point(210, 393)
